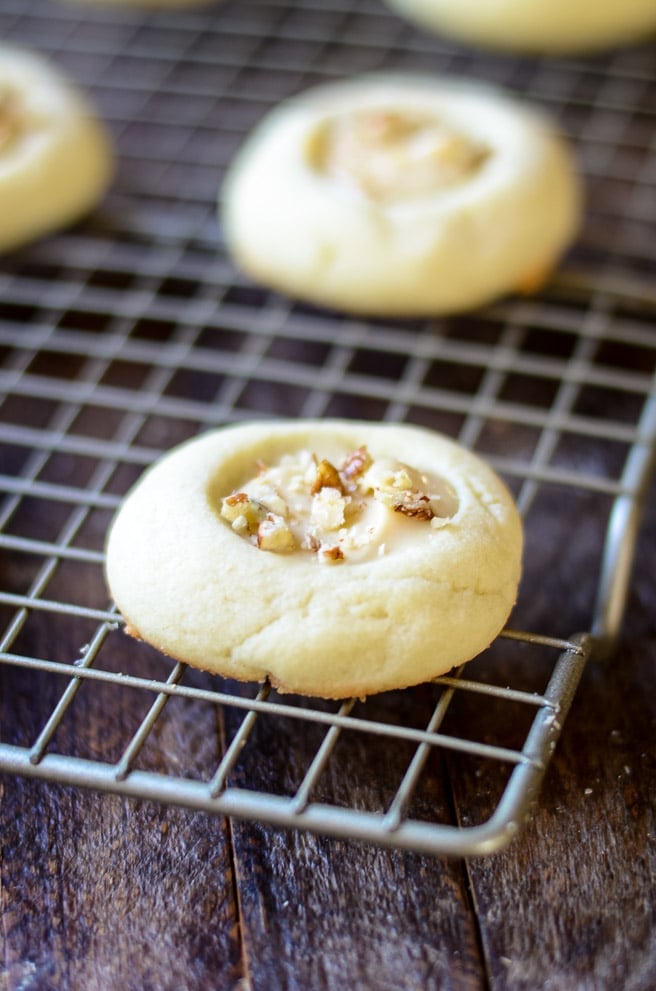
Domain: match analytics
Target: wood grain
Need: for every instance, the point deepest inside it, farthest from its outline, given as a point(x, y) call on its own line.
point(571, 901)
point(321, 913)
point(101, 893)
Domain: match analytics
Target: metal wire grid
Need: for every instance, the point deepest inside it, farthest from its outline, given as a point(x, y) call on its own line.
point(133, 331)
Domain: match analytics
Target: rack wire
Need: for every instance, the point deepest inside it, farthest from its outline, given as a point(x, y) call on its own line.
point(133, 331)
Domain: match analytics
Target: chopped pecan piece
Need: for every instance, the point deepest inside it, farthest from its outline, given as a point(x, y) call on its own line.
point(331, 554)
point(328, 509)
point(327, 477)
point(242, 512)
point(355, 464)
point(414, 504)
point(273, 534)
point(236, 499)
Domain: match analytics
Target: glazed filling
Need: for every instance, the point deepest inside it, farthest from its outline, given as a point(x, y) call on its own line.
point(391, 155)
point(357, 510)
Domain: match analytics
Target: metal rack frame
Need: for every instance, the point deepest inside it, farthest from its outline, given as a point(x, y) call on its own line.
point(133, 331)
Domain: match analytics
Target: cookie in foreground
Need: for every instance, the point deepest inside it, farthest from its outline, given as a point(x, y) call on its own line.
point(401, 195)
point(56, 159)
point(335, 558)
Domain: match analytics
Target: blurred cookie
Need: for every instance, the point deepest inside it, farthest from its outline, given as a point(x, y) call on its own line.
point(335, 558)
point(401, 195)
point(549, 26)
point(55, 157)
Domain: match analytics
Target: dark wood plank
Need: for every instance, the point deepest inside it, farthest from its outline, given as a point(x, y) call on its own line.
point(572, 899)
point(101, 893)
point(325, 914)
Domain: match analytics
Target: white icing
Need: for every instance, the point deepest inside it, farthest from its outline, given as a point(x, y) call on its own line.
point(303, 504)
point(395, 154)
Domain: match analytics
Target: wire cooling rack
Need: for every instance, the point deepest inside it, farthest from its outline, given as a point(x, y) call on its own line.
point(133, 332)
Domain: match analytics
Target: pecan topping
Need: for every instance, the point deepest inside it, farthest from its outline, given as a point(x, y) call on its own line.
point(273, 534)
point(242, 512)
point(355, 464)
point(337, 511)
point(392, 154)
point(332, 554)
point(414, 504)
point(327, 477)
